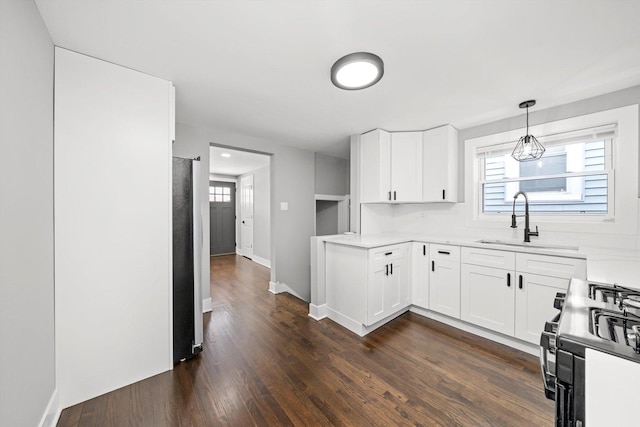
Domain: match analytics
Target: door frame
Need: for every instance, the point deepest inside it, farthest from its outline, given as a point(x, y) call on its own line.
point(244, 213)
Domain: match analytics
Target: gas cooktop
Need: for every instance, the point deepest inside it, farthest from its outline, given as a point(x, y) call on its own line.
point(602, 316)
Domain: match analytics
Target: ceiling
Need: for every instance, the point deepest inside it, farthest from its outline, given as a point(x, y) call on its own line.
point(238, 164)
point(261, 68)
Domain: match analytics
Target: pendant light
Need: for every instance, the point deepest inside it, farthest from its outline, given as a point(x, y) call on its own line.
point(528, 147)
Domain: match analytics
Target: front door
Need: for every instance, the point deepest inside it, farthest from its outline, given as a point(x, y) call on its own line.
point(246, 215)
point(222, 217)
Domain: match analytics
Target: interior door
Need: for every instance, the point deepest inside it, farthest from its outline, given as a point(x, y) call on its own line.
point(246, 215)
point(222, 217)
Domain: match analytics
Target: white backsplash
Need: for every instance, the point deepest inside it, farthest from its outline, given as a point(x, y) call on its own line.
point(448, 219)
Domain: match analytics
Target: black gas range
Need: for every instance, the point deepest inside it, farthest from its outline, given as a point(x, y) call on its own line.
point(599, 316)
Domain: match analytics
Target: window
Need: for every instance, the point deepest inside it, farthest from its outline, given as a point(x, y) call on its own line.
point(573, 177)
point(219, 194)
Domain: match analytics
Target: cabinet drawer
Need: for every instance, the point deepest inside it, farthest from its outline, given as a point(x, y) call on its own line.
point(551, 266)
point(444, 252)
point(489, 258)
point(387, 252)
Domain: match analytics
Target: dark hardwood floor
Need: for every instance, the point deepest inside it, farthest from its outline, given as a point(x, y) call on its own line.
point(266, 363)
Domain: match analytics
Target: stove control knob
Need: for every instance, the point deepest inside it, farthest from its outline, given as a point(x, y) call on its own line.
point(558, 302)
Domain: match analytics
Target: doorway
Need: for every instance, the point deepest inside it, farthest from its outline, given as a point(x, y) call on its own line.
point(222, 217)
point(250, 172)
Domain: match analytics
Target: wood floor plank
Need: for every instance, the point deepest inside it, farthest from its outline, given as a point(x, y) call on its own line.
point(265, 362)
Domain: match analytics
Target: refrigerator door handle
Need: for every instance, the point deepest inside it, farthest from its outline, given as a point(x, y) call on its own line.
point(198, 241)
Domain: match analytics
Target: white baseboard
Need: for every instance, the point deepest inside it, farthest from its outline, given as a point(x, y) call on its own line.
point(279, 287)
point(347, 322)
point(261, 261)
point(476, 330)
point(357, 327)
point(52, 412)
point(206, 305)
point(317, 312)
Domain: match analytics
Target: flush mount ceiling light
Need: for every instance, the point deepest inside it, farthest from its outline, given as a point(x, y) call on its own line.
point(357, 71)
point(225, 155)
point(528, 147)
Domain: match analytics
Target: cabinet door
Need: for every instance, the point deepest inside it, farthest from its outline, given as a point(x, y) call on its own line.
point(487, 297)
point(534, 303)
point(406, 166)
point(420, 275)
point(393, 289)
point(398, 287)
point(444, 287)
point(375, 166)
point(440, 164)
point(377, 292)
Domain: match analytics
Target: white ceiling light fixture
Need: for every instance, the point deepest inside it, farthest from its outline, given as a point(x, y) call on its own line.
point(358, 70)
point(227, 155)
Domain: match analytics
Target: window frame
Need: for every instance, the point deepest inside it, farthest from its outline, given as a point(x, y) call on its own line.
point(608, 170)
point(622, 187)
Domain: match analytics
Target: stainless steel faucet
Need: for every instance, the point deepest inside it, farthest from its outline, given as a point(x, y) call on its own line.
point(527, 232)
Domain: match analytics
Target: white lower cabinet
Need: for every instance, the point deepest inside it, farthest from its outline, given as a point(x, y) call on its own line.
point(487, 298)
point(534, 304)
point(444, 280)
point(420, 267)
point(504, 292)
point(388, 290)
point(365, 286)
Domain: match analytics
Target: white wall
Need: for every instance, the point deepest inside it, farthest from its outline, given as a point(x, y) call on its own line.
point(112, 226)
point(27, 359)
point(292, 181)
point(332, 175)
point(261, 214)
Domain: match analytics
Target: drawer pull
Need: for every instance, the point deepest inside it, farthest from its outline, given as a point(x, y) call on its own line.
point(444, 252)
point(388, 253)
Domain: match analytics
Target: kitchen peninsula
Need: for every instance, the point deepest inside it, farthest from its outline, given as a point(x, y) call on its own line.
point(501, 290)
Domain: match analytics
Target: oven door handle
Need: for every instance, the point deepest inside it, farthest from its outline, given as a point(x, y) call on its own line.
point(548, 379)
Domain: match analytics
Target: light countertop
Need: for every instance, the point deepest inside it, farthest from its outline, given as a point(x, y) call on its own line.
point(369, 241)
point(603, 264)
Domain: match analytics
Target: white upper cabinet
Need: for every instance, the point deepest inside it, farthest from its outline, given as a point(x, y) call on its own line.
point(375, 166)
point(440, 164)
point(409, 167)
point(391, 166)
point(406, 166)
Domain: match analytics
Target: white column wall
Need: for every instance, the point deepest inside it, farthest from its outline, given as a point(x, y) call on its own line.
point(112, 226)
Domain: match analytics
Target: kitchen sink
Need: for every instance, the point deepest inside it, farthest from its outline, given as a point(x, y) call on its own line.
point(528, 245)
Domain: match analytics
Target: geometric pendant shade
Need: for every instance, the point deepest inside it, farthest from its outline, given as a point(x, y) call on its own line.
point(528, 147)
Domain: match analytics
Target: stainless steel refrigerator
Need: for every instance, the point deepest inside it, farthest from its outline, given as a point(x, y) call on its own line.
point(187, 260)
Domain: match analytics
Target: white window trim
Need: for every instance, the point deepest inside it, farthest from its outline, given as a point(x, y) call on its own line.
point(624, 161)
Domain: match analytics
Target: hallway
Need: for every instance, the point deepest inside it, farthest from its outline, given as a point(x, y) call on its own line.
point(265, 362)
